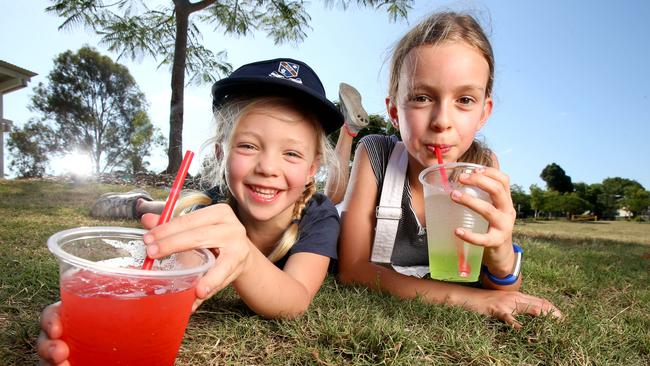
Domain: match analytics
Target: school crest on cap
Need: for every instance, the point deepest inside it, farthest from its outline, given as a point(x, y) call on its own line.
point(287, 70)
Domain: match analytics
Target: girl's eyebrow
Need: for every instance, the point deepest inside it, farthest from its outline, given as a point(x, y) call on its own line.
point(420, 87)
point(471, 87)
point(286, 140)
point(300, 145)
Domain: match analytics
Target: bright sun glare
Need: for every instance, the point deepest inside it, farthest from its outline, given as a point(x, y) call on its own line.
point(75, 163)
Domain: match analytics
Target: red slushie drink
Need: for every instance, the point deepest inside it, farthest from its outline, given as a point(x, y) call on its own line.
point(114, 313)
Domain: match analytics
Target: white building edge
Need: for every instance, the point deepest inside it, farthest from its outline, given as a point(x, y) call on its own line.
point(12, 78)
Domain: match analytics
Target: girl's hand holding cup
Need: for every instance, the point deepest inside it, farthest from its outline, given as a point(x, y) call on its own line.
point(500, 214)
point(51, 349)
point(215, 227)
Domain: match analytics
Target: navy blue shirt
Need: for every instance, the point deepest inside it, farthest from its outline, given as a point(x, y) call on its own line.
point(318, 230)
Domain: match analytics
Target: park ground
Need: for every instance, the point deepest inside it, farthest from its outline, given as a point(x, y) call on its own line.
point(595, 272)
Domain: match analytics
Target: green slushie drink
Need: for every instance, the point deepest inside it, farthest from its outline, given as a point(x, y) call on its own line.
point(451, 258)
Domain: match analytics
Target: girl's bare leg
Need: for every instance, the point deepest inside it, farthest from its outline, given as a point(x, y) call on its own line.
point(143, 206)
point(356, 118)
point(337, 179)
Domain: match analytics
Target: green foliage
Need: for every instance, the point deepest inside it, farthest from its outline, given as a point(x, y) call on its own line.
point(619, 193)
point(536, 199)
point(637, 200)
point(521, 201)
point(601, 199)
point(29, 146)
point(143, 138)
point(92, 105)
point(556, 204)
point(556, 179)
point(377, 125)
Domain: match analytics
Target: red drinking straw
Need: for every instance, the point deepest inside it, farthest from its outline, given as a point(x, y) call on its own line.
point(173, 197)
point(443, 171)
point(463, 267)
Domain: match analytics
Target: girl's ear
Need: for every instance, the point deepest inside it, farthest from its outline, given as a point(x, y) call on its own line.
point(391, 108)
point(487, 112)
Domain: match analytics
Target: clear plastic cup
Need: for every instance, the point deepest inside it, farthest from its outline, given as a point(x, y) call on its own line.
point(451, 258)
point(115, 313)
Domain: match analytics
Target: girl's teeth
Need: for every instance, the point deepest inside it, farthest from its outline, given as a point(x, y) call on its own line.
point(267, 192)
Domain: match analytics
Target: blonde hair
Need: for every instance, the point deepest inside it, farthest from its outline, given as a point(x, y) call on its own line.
point(213, 172)
point(436, 29)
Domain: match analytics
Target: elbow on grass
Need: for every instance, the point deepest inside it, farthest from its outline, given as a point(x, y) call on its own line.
point(346, 275)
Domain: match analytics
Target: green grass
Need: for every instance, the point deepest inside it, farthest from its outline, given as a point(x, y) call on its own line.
point(599, 279)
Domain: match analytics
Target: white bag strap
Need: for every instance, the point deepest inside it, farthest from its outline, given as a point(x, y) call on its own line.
point(389, 210)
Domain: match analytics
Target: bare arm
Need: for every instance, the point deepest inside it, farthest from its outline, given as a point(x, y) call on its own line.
point(268, 290)
point(355, 245)
point(275, 293)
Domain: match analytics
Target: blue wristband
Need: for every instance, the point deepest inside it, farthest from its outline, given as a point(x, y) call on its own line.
point(511, 278)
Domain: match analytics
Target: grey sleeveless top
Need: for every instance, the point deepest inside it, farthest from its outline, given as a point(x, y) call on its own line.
point(410, 247)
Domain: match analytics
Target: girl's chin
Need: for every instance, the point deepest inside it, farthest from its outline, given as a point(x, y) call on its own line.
point(266, 216)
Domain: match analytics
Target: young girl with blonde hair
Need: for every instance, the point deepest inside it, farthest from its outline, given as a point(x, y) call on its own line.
point(272, 233)
point(439, 97)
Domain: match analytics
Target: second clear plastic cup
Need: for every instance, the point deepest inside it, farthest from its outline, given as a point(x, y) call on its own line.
point(115, 313)
point(451, 258)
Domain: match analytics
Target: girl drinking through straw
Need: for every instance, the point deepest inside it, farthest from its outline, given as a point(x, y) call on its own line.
point(439, 97)
point(274, 235)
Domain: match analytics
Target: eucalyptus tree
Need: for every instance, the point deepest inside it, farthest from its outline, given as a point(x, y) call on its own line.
point(92, 105)
point(169, 34)
point(29, 146)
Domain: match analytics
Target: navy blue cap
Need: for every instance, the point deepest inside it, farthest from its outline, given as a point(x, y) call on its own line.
point(281, 76)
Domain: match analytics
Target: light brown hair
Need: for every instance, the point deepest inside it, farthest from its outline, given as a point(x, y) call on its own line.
point(436, 29)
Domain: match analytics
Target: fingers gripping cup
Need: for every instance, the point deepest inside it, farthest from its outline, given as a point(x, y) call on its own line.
point(451, 258)
point(113, 312)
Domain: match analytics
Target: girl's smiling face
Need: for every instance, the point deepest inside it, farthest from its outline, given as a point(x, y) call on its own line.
point(272, 158)
point(441, 101)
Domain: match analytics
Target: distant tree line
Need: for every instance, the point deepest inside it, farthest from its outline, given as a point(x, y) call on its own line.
point(563, 198)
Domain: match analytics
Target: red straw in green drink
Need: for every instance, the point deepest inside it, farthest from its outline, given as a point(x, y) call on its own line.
point(443, 171)
point(463, 267)
point(166, 214)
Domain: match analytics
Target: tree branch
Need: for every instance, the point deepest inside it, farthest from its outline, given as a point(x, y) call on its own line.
point(200, 5)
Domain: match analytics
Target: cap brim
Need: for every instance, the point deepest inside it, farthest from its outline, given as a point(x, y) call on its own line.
point(328, 114)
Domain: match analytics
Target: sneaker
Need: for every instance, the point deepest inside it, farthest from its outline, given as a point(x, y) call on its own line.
point(356, 118)
point(118, 205)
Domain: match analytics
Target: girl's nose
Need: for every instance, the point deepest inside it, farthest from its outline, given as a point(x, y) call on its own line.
point(266, 165)
point(441, 118)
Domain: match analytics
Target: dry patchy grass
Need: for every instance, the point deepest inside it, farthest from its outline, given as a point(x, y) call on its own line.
point(616, 231)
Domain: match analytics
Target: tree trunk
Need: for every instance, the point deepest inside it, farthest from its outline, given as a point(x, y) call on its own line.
point(174, 152)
